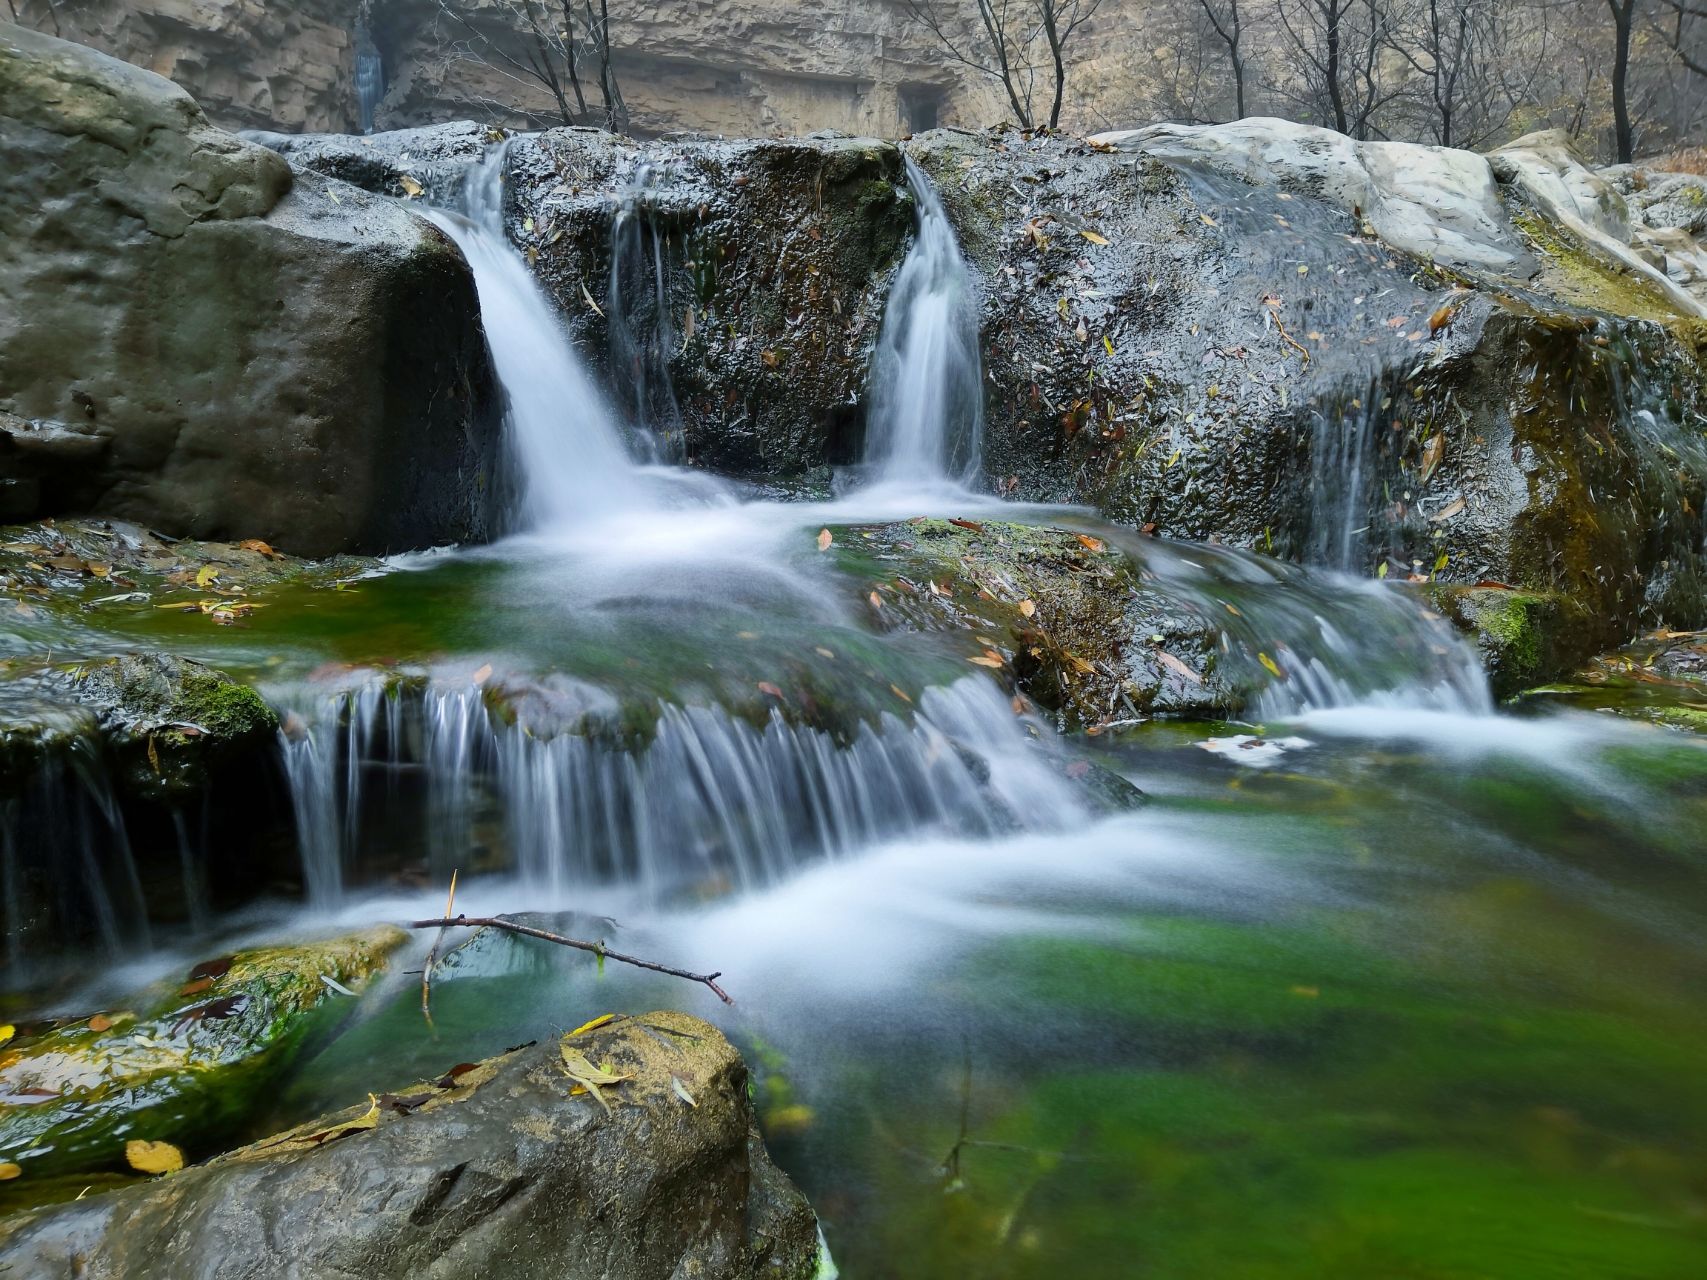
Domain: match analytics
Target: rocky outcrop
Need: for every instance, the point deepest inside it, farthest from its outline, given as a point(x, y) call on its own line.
point(182, 1064)
point(506, 1168)
point(190, 340)
point(775, 261)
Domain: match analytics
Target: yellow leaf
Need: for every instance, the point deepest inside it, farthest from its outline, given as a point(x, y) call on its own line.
point(1093, 237)
point(1027, 608)
point(1309, 993)
point(597, 1022)
point(1107, 345)
point(899, 692)
point(7, 1031)
point(205, 575)
point(153, 1157)
point(1206, 220)
point(1270, 664)
point(411, 188)
point(984, 660)
point(825, 538)
point(8, 1171)
point(876, 600)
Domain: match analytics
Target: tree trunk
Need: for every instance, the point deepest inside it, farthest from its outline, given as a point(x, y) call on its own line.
point(1624, 136)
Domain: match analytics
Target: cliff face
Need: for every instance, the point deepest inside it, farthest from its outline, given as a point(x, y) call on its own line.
point(249, 64)
point(735, 67)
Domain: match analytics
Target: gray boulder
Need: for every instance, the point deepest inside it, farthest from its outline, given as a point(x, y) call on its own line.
point(506, 1169)
point(189, 339)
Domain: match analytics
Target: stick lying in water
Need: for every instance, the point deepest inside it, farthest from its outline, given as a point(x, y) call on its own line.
point(597, 948)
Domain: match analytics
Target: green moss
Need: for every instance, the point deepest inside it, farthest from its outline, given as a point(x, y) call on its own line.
point(186, 1062)
point(1575, 274)
point(223, 707)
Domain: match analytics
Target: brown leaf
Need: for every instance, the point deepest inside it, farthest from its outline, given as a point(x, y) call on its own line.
point(195, 988)
point(259, 547)
point(1178, 667)
point(449, 1078)
point(765, 686)
point(218, 967)
point(986, 659)
point(1448, 511)
point(100, 1022)
point(1441, 318)
point(876, 600)
point(825, 538)
point(1091, 544)
point(967, 524)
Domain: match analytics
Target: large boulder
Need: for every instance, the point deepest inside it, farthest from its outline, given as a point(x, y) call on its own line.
point(505, 1168)
point(189, 339)
point(1250, 363)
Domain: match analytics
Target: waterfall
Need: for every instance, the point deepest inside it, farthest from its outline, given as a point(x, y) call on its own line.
point(709, 800)
point(927, 396)
point(642, 331)
point(565, 450)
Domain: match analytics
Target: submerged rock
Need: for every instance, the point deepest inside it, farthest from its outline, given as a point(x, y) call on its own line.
point(506, 1168)
point(1660, 678)
point(190, 339)
point(184, 1065)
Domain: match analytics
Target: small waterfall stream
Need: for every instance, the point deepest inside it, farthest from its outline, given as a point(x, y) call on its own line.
point(927, 394)
point(566, 452)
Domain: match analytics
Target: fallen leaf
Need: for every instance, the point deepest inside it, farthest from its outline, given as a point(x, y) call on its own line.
point(7, 1031)
point(100, 1022)
point(411, 188)
point(597, 1022)
point(966, 524)
point(259, 547)
point(1027, 608)
point(8, 1171)
point(1093, 237)
point(676, 1087)
point(153, 1157)
point(985, 660)
point(1441, 318)
point(205, 575)
point(825, 538)
point(765, 686)
point(1177, 666)
point(1092, 544)
point(1448, 511)
point(588, 299)
point(195, 988)
point(218, 967)
point(1309, 993)
point(1206, 220)
point(876, 600)
point(1270, 665)
point(591, 1079)
point(482, 674)
point(1434, 449)
point(368, 1119)
point(899, 692)
point(448, 1079)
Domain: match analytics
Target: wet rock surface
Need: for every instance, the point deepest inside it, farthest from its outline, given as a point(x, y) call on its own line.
point(190, 339)
point(506, 1167)
point(182, 1062)
point(1068, 621)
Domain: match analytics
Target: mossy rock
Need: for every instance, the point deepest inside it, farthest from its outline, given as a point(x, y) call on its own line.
point(1660, 678)
point(170, 722)
point(1524, 637)
point(1069, 622)
point(186, 1062)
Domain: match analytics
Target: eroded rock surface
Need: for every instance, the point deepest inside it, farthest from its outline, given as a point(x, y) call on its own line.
point(500, 1170)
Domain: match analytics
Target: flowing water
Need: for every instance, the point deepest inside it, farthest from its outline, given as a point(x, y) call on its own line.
point(1384, 982)
point(926, 413)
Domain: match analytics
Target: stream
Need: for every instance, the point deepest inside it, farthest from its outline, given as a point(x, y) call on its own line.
point(1385, 981)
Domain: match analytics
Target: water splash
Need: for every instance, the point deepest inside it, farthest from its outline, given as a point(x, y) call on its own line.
point(566, 453)
point(926, 419)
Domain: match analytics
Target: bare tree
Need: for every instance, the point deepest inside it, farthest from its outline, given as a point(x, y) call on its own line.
point(1013, 41)
point(1227, 23)
point(1330, 53)
point(545, 46)
point(1477, 62)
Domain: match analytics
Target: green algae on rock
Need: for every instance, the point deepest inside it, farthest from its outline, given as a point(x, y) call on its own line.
point(186, 1064)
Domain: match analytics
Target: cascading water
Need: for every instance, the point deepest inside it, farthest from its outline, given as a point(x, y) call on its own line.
point(708, 799)
point(927, 396)
point(566, 454)
point(641, 327)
